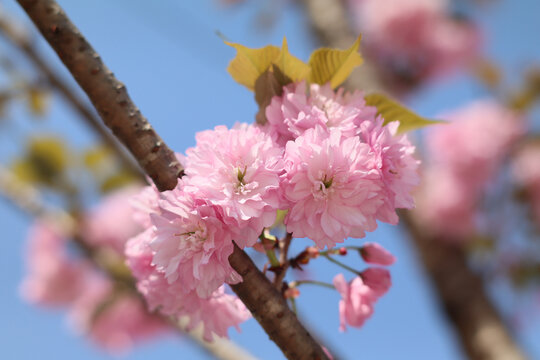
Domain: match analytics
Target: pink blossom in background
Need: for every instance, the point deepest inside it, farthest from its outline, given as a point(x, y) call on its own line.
point(373, 253)
point(356, 304)
point(111, 223)
point(333, 195)
point(298, 110)
point(53, 279)
point(238, 170)
point(413, 40)
point(114, 321)
point(445, 204)
point(464, 155)
point(475, 141)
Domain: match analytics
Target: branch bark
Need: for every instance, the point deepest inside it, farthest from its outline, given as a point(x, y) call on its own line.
point(23, 44)
point(120, 114)
point(481, 330)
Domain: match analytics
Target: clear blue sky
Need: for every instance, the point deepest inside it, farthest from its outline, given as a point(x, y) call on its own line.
point(174, 67)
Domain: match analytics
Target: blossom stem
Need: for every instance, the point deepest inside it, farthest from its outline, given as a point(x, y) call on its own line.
point(339, 263)
point(312, 282)
point(272, 257)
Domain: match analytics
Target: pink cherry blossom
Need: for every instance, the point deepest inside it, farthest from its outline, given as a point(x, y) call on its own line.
point(115, 322)
point(356, 305)
point(332, 193)
point(238, 170)
point(377, 279)
point(217, 312)
point(53, 279)
point(192, 243)
point(446, 204)
point(475, 141)
point(111, 223)
point(373, 253)
point(465, 155)
point(410, 41)
point(296, 111)
point(392, 157)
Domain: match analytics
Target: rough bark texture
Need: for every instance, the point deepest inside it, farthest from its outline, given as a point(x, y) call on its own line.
point(267, 305)
point(108, 95)
point(481, 330)
point(118, 112)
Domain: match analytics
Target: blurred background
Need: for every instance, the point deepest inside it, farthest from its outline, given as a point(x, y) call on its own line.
point(172, 58)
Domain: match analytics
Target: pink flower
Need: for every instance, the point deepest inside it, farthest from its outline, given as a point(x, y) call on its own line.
point(356, 304)
point(217, 312)
point(446, 204)
point(192, 244)
point(465, 155)
point(238, 170)
point(53, 278)
point(111, 223)
point(114, 321)
point(392, 157)
point(475, 141)
point(377, 279)
point(373, 253)
point(332, 193)
point(296, 111)
point(413, 40)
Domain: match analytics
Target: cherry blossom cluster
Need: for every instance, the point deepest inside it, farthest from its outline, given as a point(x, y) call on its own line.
point(466, 154)
point(414, 40)
point(325, 157)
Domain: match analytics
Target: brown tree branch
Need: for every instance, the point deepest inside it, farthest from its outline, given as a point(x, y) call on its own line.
point(269, 307)
point(23, 43)
point(481, 330)
point(118, 112)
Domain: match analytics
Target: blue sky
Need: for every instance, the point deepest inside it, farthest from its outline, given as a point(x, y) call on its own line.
point(174, 65)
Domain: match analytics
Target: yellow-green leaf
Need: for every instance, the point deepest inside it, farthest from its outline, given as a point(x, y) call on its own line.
point(391, 110)
point(37, 101)
point(249, 64)
point(333, 65)
point(44, 162)
point(291, 66)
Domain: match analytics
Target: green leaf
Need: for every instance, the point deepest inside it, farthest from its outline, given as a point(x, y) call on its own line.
point(249, 64)
point(391, 110)
point(333, 65)
point(292, 67)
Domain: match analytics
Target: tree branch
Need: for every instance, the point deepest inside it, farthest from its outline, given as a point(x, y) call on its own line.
point(118, 112)
point(481, 330)
point(23, 43)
